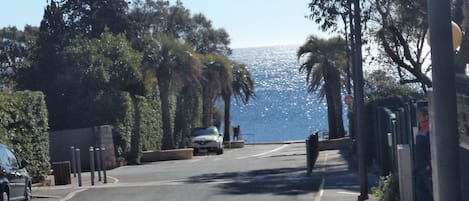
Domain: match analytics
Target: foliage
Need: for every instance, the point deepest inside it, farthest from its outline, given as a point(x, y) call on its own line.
point(124, 124)
point(324, 59)
point(175, 65)
point(399, 28)
point(188, 115)
point(23, 127)
point(328, 13)
point(217, 78)
point(90, 18)
point(387, 189)
point(243, 83)
point(15, 47)
point(242, 87)
point(159, 17)
point(380, 86)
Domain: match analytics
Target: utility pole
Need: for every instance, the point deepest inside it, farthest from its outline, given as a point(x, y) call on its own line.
point(359, 103)
point(444, 133)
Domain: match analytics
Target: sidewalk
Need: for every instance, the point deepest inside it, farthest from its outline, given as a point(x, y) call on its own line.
point(60, 192)
point(340, 180)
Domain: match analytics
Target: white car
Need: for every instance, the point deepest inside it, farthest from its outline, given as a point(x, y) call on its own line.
point(206, 139)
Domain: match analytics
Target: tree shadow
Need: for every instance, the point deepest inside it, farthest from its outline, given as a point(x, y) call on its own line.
point(280, 181)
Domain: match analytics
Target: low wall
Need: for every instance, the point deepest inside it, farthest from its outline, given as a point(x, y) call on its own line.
point(334, 144)
point(165, 155)
point(234, 144)
point(100, 136)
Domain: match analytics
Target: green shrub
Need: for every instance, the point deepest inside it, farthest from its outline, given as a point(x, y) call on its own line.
point(23, 127)
point(147, 132)
point(123, 124)
point(188, 115)
point(387, 189)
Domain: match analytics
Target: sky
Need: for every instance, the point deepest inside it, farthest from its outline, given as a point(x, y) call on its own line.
point(250, 23)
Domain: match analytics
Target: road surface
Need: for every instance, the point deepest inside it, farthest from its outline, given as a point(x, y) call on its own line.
point(257, 172)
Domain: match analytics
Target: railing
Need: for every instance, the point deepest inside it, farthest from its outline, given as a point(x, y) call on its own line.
point(249, 138)
point(462, 88)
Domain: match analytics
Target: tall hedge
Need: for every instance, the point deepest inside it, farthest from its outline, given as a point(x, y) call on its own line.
point(188, 115)
point(23, 128)
point(147, 132)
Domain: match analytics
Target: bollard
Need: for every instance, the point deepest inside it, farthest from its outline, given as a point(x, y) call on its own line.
point(404, 160)
point(73, 162)
point(98, 162)
point(92, 165)
point(77, 153)
point(309, 168)
point(103, 165)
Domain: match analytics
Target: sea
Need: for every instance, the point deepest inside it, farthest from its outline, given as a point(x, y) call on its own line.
point(282, 110)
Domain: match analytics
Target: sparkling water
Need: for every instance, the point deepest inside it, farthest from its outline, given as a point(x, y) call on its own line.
point(283, 109)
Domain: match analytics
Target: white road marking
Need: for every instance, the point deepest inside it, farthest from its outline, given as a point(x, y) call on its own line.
point(113, 178)
point(72, 194)
point(348, 193)
point(323, 180)
point(265, 153)
point(321, 191)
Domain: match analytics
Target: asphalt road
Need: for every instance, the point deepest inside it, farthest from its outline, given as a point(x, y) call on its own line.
point(257, 172)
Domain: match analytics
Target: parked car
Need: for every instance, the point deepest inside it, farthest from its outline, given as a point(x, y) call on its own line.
point(206, 139)
point(15, 183)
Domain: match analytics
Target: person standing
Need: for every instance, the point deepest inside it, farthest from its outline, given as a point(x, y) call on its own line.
point(236, 131)
point(422, 158)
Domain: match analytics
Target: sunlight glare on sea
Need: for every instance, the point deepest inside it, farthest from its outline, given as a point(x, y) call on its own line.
point(282, 110)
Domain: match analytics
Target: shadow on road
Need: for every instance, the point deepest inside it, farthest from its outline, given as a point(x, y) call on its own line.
point(282, 181)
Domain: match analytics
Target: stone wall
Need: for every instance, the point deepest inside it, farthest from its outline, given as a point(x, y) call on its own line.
point(83, 139)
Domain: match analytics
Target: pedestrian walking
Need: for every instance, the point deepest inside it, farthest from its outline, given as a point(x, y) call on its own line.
point(422, 158)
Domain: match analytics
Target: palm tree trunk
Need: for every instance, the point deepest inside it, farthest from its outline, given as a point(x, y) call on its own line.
point(331, 114)
point(227, 102)
point(338, 112)
point(168, 141)
point(206, 108)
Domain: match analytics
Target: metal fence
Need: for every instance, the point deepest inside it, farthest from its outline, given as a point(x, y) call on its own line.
point(462, 88)
point(397, 125)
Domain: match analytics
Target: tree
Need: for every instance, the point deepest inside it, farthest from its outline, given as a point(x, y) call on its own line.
point(174, 65)
point(399, 27)
point(45, 63)
point(91, 18)
point(324, 59)
point(157, 17)
point(383, 87)
point(206, 39)
point(401, 33)
point(15, 48)
point(242, 87)
point(217, 77)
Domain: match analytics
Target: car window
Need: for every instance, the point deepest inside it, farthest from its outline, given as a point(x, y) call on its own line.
point(11, 159)
point(3, 157)
point(204, 132)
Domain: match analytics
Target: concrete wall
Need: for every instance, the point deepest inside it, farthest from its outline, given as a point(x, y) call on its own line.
point(83, 139)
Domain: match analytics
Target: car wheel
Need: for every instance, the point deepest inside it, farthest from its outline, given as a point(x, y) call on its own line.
point(28, 193)
point(220, 151)
point(5, 196)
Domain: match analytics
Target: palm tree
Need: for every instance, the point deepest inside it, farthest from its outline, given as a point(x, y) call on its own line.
point(216, 78)
point(175, 65)
point(323, 60)
point(242, 87)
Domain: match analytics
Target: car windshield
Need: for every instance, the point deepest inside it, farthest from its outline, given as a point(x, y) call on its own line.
point(200, 132)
